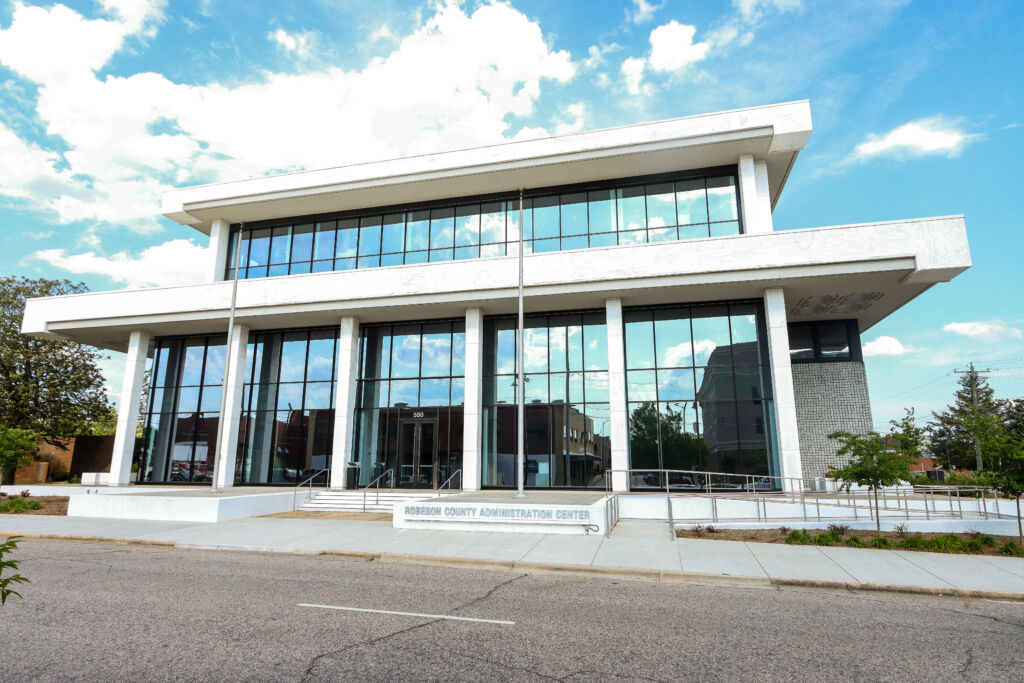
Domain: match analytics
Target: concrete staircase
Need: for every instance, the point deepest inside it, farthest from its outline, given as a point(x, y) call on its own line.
point(339, 500)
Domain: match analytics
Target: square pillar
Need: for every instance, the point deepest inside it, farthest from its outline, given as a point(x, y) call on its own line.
point(472, 451)
point(755, 199)
point(345, 401)
point(234, 380)
point(128, 409)
point(220, 241)
point(618, 422)
point(788, 440)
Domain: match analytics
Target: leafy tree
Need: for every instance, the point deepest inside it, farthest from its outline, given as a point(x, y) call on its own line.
point(7, 581)
point(910, 438)
point(16, 449)
point(1005, 452)
point(51, 387)
point(873, 462)
point(952, 432)
point(1012, 413)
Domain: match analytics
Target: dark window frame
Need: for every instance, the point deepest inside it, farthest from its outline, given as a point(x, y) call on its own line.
point(853, 338)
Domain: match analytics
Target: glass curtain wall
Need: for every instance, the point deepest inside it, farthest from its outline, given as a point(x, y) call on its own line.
point(685, 208)
point(698, 387)
point(287, 420)
point(182, 411)
point(411, 398)
point(567, 427)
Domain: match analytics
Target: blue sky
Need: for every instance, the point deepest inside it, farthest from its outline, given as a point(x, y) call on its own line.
point(918, 111)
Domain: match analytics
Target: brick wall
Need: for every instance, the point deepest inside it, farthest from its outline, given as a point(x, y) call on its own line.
point(829, 397)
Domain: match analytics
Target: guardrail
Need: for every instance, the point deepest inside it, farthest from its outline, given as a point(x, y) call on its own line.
point(389, 473)
point(295, 493)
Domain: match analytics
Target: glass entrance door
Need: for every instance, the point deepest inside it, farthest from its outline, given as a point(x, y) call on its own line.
point(417, 455)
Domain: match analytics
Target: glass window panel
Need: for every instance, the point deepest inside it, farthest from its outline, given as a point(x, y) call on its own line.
point(705, 383)
point(639, 340)
point(557, 345)
point(156, 397)
point(214, 372)
point(545, 217)
point(369, 236)
point(644, 445)
point(434, 392)
point(392, 259)
point(633, 237)
point(300, 268)
point(691, 202)
point(711, 336)
point(632, 208)
point(293, 357)
point(289, 396)
point(748, 383)
point(574, 343)
point(463, 253)
point(210, 402)
point(601, 211)
point(442, 254)
point(608, 239)
point(405, 352)
point(595, 342)
point(192, 372)
point(596, 386)
point(513, 210)
point(536, 388)
point(347, 240)
point(374, 394)
point(724, 229)
point(162, 361)
point(680, 449)
point(542, 246)
point(188, 399)
point(275, 271)
point(259, 249)
point(661, 205)
point(345, 264)
point(323, 241)
point(559, 387)
point(417, 231)
point(256, 272)
point(579, 242)
point(662, 235)
point(641, 385)
point(505, 355)
point(675, 385)
point(376, 348)
point(722, 199)
point(302, 243)
point(320, 366)
point(575, 387)
point(369, 261)
point(467, 225)
point(393, 234)
point(672, 334)
point(490, 250)
point(535, 346)
point(279, 244)
point(459, 352)
point(502, 389)
point(243, 249)
point(834, 340)
point(458, 392)
point(416, 257)
point(442, 228)
point(436, 350)
point(693, 232)
point(743, 318)
point(801, 342)
point(318, 396)
point(405, 392)
point(574, 214)
point(492, 223)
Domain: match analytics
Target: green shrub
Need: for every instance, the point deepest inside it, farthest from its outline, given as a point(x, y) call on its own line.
point(854, 542)
point(974, 545)
point(1012, 549)
point(827, 539)
point(799, 537)
point(16, 505)
point(880, 542)
point(838, 530)
point(987, 541)
point(948, 543)
point(915, 542)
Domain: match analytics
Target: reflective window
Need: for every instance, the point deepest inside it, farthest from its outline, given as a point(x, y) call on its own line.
point(826, 340)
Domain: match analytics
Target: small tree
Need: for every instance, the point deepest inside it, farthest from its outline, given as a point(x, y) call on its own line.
point(873, 462)
point(16, 449)
point(6, 581)
point(1006, 468)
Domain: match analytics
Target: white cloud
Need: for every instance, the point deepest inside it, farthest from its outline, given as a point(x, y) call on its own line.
point(300, 43)
point(886, 346)
point(177, 262)
point(642, 11)
point(130, 138)
point(985, 330)
point(934, 135)
point(753, 10)
point(596, 53)
point(633, 71)
point(672, 47)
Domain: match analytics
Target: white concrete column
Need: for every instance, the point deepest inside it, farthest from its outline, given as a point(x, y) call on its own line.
point(782, 385)
point(755, 200)
point(220, 240)
point(472, 451)
point(233, 383)
point(128, 409)
point(345, 400)
point(618, 423)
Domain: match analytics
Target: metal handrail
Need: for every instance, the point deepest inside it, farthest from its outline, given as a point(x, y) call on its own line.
point(448, 481)
point(295, 493)
point(376, 483)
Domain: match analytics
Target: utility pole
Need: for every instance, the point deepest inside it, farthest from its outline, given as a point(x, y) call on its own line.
point(974, 403)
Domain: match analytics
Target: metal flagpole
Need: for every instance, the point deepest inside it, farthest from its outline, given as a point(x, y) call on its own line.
point(227, 363)
point(520, 376)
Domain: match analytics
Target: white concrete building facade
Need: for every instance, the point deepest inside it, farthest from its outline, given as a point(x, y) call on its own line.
point(669, 325)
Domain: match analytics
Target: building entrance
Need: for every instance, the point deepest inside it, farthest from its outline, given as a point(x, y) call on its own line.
point(417, 454)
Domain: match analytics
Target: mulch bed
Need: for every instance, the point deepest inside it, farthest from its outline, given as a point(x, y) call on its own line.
point(52, 505)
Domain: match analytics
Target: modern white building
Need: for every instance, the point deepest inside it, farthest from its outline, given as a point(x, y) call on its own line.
point(668, 325)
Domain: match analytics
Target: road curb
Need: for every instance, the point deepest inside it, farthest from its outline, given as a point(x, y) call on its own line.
point(544, 568)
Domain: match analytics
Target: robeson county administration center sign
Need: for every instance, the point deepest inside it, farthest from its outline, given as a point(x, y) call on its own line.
point(499, 513)
point(487, 516)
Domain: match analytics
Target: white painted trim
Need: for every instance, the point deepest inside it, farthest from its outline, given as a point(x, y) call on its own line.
point(345, 400)
point(472, 446)
point(128, 410)
point(233, 387)
point(618, 422)
point(782, 384)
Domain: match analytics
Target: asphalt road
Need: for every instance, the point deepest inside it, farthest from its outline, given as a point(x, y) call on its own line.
point(118, 612)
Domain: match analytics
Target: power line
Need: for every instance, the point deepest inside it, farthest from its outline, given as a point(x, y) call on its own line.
point(907, 391)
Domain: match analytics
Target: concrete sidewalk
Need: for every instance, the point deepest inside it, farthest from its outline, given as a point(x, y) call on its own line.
point(639, 549)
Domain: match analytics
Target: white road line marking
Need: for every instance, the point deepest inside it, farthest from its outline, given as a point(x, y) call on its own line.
point(410, 614)
point(1005, 602)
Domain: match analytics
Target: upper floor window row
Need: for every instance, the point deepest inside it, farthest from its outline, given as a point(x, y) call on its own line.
point(669, 210)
